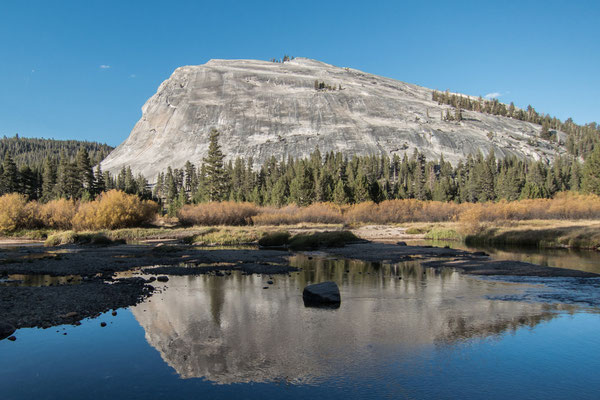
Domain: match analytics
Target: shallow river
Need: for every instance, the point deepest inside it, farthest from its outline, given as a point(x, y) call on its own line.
point(401, 332)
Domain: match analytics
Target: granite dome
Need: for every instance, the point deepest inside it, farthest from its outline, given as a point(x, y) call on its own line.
point(265, 109)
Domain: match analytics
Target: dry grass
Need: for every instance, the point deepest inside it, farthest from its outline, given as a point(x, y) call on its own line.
point(318, 213)
point(218, 213)
point(565, 206)
point(400, 211)
point(584, 234)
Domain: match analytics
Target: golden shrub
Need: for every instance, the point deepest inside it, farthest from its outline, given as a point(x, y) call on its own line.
point(218, 213)
point(400, 211)
point(14, 212)
point(58, 214)
point(113, 210)
point(564, 205)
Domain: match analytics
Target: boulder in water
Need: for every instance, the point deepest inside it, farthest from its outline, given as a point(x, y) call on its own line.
point(324, 294)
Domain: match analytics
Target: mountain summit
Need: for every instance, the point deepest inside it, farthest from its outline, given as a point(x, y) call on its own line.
point(265, 109)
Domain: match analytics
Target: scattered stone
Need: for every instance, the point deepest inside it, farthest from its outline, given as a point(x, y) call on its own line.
point(12, 338)
point(71, 314)
point(265, 287)
point(322, 294)
point(401, 244)
point(480, 254)
point(103, 324)
point(270, 282)
point(6, 330)
point(114, 313)
point(163, 278)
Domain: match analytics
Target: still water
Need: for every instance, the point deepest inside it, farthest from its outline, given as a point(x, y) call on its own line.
point(401, 332)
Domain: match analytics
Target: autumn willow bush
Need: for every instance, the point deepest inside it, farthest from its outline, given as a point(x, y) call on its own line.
point(15, 212)
point(400, 211)
point(114, 210)
point(566, 205)
point(111, 210)
point(218, 213)
point(320, 213)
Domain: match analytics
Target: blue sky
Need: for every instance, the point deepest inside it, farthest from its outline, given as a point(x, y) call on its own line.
point(83, 69)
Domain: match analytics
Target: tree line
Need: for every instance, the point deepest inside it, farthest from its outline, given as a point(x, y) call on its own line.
point(67, 177)
point(34, 151)
point(329, 177)
point(333, 177)
point(581, 139)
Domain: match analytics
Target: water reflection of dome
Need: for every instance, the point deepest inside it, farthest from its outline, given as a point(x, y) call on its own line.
point(228, 329)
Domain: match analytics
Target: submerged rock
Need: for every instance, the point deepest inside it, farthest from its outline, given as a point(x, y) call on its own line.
point(6, 330)
point(322, 294)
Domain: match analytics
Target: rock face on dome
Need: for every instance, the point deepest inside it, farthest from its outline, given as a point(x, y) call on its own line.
point(265, 109)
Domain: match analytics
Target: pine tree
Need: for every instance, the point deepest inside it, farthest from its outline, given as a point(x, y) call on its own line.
point(84, 169)
point(48, 179)
point(340, 193)
point(591, 172)
point(361, 189)
point(279, 193)
point(301, 187)
point(9, 181)
point(216, 177)
point(99, 183)
point(73, 187)
point(129, 182)
point(170, 186)
point(27, 182)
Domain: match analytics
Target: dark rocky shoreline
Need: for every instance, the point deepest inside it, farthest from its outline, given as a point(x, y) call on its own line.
point(99, 291)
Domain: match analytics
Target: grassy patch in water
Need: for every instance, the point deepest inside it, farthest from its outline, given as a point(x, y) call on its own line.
point(70, 237)
point(442, 234)
point(415, 231)
point(308, 241)
point(321, 239)
point(229, 236)
point(275, 239)
point(32, 234)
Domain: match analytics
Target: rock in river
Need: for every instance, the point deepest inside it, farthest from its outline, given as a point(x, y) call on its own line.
point(6, 330)
point(322, 294)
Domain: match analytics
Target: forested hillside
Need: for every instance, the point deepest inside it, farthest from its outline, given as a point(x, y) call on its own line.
point(33, 151)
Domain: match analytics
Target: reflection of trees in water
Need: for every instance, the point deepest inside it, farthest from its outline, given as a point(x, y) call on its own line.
point(582, 260)
point(228, 329)
point(42, 280)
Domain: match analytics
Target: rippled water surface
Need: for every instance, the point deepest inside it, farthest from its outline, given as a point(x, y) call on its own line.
point(401, 332)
